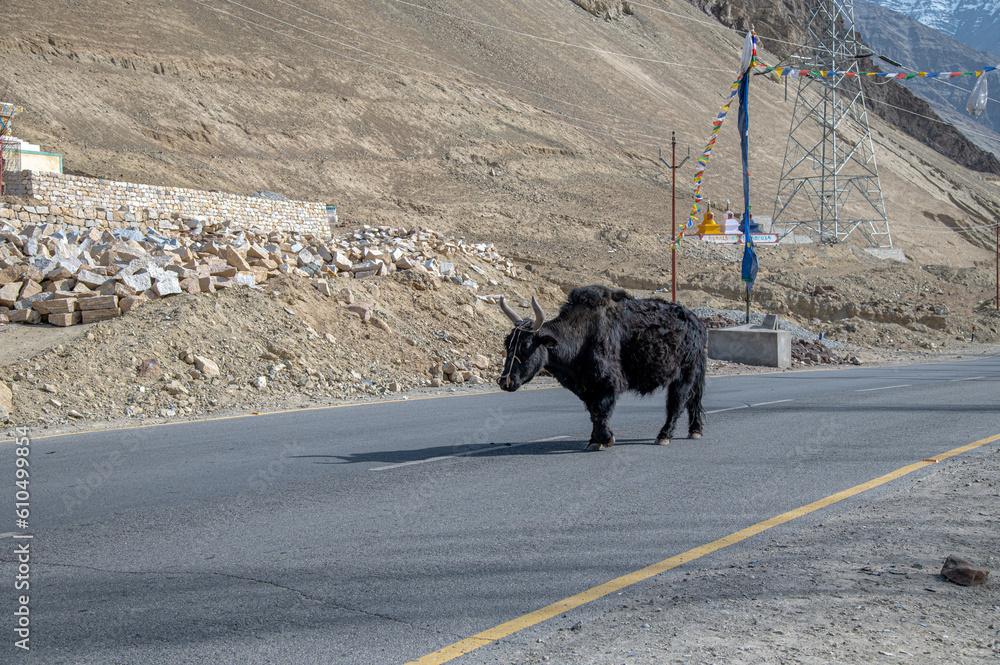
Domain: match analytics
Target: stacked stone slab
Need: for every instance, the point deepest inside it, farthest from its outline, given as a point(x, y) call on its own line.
point(57, 272)
point(95, 202)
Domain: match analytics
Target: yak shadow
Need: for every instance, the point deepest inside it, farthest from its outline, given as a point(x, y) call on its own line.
point(493, 449)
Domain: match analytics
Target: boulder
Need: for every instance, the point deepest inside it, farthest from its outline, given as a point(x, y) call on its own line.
point(362, 308)
point(9, 293)
point(89, 279)
point(25, 316)
point(137, 283)
point(30, 288)
point(176, 388)
point(128, 303)
point(167, 286)
point(964, 572)
point(150, 368)
point(236, 260)
point(206, 366)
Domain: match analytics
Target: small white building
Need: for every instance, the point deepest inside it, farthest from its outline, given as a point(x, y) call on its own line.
point(30, 156)
point(17, 155)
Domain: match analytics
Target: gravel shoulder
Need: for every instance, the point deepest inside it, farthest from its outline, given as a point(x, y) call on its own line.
point(862, 585)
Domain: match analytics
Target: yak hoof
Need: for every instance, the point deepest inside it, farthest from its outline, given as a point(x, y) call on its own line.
point(600, 446)
point(695, 435)
point(663, 442)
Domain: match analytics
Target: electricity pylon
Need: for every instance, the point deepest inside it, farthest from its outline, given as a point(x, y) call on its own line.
point(829, 169)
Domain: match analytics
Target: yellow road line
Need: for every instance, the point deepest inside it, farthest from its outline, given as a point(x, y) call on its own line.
point(461, 647)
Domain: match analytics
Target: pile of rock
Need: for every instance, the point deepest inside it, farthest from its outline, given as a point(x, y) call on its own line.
point(467, 370)
point(806, 352)
point(63, 275)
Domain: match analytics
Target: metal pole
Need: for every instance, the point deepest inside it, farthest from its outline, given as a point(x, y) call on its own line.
point(673, 216)
point(998, 264)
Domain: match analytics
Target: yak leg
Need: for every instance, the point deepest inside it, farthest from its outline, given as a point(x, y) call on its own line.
point(696, 414)
point(675, 401)
point(600, 408)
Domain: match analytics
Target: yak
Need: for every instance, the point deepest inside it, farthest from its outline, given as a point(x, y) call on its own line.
point(605, 342)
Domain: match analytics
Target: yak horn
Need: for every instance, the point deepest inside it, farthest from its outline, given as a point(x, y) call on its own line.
point(539, 315)
point(509, 312)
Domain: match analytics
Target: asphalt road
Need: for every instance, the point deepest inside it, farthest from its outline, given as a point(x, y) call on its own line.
point(378, 533)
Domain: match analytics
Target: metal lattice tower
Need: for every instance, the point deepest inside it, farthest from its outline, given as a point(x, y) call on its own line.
point(829, 184)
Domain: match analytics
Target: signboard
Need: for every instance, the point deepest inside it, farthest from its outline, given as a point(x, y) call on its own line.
point(737, 238)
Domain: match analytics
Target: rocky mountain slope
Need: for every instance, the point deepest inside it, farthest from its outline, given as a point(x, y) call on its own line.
point(783, 27)
point(920, 48)
point(972, 22)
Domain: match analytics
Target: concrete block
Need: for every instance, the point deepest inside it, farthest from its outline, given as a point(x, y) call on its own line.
point(751, 345)
point(893, 254)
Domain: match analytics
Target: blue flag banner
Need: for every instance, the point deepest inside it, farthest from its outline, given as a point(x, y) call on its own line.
point(743, 124)
point(750, 263)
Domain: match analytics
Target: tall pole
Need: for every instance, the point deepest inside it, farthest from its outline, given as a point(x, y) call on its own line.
point(673, 166)
point(998, 264)
point(673, 216)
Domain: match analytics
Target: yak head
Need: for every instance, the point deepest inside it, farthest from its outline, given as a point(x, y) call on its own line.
point(527, 347)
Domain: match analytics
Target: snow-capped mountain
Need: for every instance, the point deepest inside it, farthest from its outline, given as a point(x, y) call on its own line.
point(972, 22)
point(919, 47)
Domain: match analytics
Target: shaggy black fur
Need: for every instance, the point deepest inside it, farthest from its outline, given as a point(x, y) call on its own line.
point(605, 342)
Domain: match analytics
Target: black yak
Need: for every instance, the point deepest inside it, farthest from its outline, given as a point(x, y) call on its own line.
point(605, 342)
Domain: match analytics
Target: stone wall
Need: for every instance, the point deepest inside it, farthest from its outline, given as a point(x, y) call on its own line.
point(111, 204)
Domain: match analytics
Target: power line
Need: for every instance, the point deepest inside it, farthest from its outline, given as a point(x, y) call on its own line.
point(716, 24)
